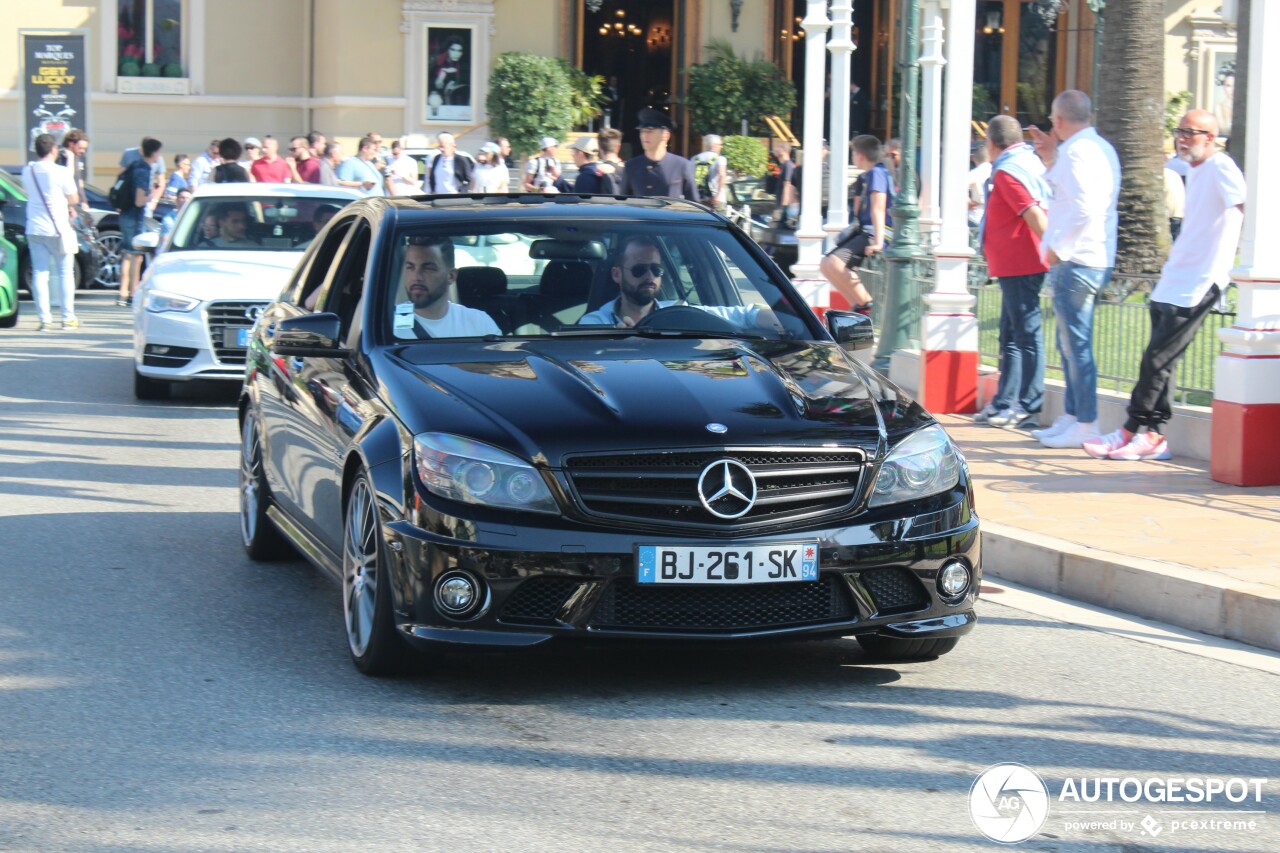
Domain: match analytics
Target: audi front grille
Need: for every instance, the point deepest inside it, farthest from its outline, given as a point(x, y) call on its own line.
point(226, 319)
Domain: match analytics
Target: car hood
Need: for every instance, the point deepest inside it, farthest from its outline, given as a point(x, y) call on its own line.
point(223, 275)
point(543, 399)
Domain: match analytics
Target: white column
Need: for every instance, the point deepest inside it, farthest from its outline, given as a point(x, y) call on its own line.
point(931, 63)
point(952, 251)
point(1246, 404)
point(841, 47)
point(810, 233)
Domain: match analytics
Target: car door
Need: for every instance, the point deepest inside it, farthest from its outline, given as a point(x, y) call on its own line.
point(279, 387)
point(326, 413)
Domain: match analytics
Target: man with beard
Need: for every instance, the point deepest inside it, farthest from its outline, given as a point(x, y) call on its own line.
point(427, 274)
point(637, 269)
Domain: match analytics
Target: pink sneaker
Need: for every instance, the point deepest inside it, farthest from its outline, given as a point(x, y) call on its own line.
point(1103, 446)
point(1144, 445)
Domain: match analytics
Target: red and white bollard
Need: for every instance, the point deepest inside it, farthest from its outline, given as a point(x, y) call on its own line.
point(1246, 399)
point(949, 340)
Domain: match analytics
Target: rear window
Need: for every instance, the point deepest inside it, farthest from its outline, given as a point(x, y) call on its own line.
point(582, 278)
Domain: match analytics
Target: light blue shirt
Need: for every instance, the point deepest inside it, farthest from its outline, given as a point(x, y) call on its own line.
point(607, 314)
point(355, 169)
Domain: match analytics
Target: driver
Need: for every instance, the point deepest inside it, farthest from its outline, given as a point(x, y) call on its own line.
point(637, 269)
point(233, 227)
point(426, 277)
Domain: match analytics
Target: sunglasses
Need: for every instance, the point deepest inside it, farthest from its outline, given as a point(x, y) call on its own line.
point(638, 270)
point(1190, 131)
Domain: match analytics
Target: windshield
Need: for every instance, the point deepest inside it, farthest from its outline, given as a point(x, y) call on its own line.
point(585, 278)
point(252, 224)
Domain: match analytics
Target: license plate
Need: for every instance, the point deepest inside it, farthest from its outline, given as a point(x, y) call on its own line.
point(778, 562)
point(236, 337)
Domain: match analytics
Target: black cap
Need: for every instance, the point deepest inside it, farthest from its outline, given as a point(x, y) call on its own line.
point(653, 118)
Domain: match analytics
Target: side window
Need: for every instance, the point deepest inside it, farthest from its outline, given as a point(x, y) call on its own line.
point(346, 286)
point(309, 291)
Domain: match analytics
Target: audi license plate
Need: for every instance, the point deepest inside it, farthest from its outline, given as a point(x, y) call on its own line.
point(235, 337)
point(778, 562)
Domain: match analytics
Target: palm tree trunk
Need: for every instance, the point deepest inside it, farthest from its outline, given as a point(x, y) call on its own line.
point(1130, 113)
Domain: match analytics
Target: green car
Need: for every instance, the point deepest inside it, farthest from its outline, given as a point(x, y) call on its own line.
point(8, 281)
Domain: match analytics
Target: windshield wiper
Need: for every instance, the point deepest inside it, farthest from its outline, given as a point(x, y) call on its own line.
point(588, 331)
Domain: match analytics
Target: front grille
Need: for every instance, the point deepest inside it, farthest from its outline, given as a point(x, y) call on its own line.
point(894, 590)
point(791, 483)
point(538, 600)
point(229, 315)
point(627, 605)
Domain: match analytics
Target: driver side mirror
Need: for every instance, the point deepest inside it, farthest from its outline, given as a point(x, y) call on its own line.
point(310, 336)
point(851, 331)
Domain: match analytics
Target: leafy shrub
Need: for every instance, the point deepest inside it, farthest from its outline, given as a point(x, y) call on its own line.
point(1175, 108)
point(586, 93)
point(529, 97)
point(746, 156)
point(728, 88)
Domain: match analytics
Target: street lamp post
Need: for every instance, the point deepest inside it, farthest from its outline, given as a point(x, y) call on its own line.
point(894, 328)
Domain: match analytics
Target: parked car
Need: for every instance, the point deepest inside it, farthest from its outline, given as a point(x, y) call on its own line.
point(722, 470)
point(13, 204)
point(9, 305)
point(204, 289)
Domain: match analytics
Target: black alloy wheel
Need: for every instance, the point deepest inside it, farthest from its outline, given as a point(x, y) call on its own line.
point(262, 540)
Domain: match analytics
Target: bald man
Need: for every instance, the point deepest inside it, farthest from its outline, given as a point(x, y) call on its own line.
point(1193, 277)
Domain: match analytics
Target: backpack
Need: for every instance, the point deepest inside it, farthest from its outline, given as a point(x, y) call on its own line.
point(122, 195)
point(702, 178)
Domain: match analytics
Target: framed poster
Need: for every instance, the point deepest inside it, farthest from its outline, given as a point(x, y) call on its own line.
point(55, 89)
point(1218, 83)
point(449, 82)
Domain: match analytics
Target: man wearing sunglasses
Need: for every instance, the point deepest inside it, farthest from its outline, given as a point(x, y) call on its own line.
point(306, 169)
point(1191, 281)
point(638, 272)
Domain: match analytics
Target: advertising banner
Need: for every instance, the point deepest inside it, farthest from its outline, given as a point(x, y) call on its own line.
point(55, 85)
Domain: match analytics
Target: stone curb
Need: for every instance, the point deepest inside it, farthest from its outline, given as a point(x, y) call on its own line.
point(1188, 598)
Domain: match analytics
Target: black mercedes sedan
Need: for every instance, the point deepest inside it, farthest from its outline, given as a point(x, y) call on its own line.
point(502, 421)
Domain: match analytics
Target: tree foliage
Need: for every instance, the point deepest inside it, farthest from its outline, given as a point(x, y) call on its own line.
point(728, 88)
point(586, 93)
point(745, 156)
point(1130, 114)
point(529, 97)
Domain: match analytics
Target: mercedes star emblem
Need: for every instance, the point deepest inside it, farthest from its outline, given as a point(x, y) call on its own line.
point(727, 489)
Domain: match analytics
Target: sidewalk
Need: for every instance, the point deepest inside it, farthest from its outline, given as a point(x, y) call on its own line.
point(1156, 539)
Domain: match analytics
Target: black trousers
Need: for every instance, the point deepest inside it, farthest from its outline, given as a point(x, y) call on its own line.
point(1173, 328)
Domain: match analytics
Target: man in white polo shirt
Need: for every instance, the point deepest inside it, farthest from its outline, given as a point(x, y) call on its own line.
point(427, 274)
point(1193, 277)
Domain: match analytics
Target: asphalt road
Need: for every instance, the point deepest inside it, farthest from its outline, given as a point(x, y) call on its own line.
point(160, 692)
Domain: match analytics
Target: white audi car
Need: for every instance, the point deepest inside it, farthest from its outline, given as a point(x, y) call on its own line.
point(230, 253)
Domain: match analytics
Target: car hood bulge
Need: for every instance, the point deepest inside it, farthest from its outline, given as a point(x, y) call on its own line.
point(544, 399)
point(223, 275)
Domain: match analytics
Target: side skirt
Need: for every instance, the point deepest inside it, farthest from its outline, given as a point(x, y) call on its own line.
point(311, 548)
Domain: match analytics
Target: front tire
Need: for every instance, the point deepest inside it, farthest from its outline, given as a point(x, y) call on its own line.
point(146, 388)
point(12, 320)
point(376, 647)
point(902, 649)
point(262, 540)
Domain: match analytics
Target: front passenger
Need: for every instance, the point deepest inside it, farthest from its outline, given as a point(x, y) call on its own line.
point(426, 276)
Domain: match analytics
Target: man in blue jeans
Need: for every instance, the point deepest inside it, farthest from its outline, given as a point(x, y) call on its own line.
point(1014, 218)
point(1079, 244)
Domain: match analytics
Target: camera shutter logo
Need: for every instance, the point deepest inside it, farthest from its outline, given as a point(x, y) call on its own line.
point(1009, 803)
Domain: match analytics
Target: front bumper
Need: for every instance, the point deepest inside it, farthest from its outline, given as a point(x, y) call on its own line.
point(176, 347)
point(540, 585)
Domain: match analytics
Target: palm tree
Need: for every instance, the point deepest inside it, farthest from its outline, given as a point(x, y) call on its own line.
point(1130, 113)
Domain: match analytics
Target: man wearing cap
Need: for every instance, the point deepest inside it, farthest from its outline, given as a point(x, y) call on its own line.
point(543, 171)
point(448, 171)
point(657, 172)
point(585, 149)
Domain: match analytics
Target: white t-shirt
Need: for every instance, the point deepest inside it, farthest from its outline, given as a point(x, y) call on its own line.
point(446, 179)
point(458, 322)
point(490, 179)
point(1205, 250)
point(978, 177)
point(403, 172)
point(53, 183)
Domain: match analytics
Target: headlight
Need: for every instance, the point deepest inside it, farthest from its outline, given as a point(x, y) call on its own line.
point(924, 464)
point(158, 301)
point(461, 469)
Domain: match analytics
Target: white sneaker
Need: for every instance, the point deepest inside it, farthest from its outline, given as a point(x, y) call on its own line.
point(1060, 423)
point(1011, 417)
point(987, 411)
point(1073, 436)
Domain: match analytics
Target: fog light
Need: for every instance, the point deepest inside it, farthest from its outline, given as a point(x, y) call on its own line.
point(953, 580)
point(458, 594)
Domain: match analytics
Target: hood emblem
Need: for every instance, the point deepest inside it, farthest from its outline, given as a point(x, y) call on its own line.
point(727, 489)
point(253, 312)
point(717, 428)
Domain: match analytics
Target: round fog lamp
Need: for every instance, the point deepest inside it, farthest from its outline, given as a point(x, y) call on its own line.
point(456, 594)
point(953, 579)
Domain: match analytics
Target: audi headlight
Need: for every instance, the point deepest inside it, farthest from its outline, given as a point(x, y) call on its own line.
point(924, 464)
point(461, 469)
point(158, 301)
